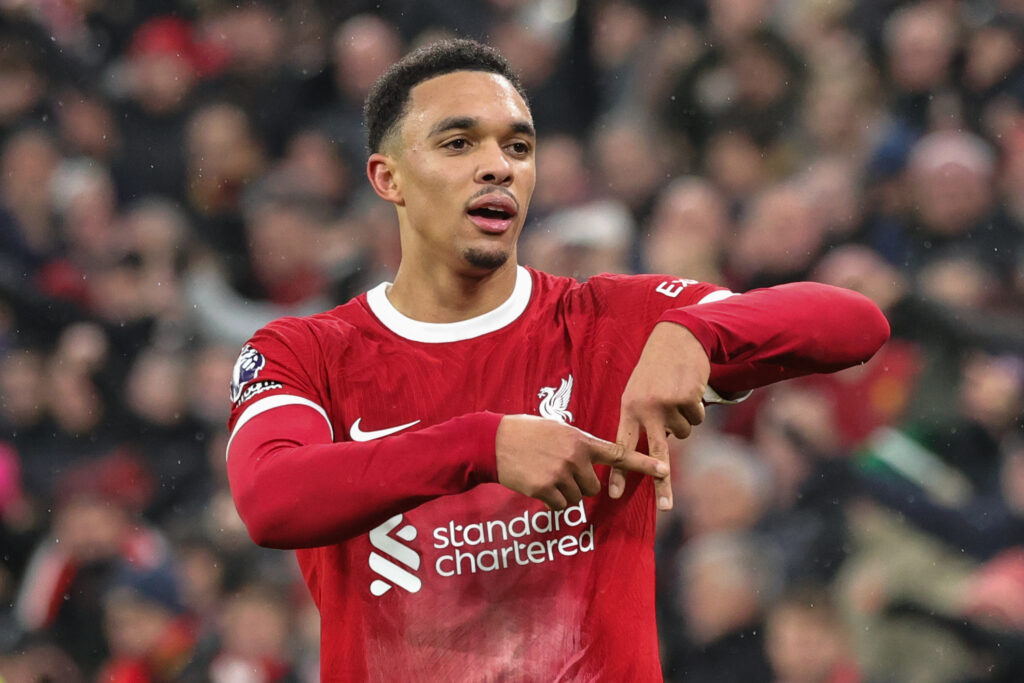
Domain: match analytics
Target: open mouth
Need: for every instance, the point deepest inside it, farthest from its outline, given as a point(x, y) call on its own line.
point(492, 213)
point(499, 214)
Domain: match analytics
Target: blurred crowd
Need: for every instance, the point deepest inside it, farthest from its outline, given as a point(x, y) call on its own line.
point(173, 175)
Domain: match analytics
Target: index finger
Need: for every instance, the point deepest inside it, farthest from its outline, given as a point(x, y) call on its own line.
point(616, 455)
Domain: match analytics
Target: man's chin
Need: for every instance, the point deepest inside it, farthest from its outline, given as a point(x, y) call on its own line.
point(486, 259)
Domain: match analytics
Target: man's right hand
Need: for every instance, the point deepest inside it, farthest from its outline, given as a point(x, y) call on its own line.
point(554, 462)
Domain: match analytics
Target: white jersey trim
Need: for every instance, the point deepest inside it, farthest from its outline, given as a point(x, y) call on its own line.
point(264, 404)
point(717, 295)
point(442, 333)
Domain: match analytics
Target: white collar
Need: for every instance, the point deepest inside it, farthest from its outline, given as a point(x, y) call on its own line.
point(440, 333)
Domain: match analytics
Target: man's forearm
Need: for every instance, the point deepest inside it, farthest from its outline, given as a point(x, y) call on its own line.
point(772, 334)
point(294, 489)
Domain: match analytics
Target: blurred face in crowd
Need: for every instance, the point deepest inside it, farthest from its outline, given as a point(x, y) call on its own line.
point(687, 228)
point(253, 35)
point(74, 400)
point(831, 185)
point(762, 77)
point(87, 124)
point(1011, 477)
point(735, 163)
point(313, 157)
point(957, 281)
point(803, 646)
point(90, 529)
point(718, 597)
point(27, 164)
point(364, 46)
point(461, 172)
point(734, 19)
point(951, 197)
point(920, 42)
point(134, 625)
point(22, 388)
point(619, 28)
point(21, 84)
point(992, 391)
point(582, 241)
point(532, 53)
point(88, 208)
point(560, 160)
point(834, 113)
point(155, 387)
point(716, 502)
point(632, 159)
point(222, 149)
point(161, 80)
point(255, 626)
point(992, 52)
point(781, 233)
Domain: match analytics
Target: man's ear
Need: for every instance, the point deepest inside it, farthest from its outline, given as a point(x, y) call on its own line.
point(380, 171)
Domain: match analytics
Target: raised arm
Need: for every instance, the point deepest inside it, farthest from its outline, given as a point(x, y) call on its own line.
point(736, 344)
point(767, 335)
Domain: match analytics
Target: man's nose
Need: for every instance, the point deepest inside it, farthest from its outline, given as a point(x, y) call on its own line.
point(495, 167)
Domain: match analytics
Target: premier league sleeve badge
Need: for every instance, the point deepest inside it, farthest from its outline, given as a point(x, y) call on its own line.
point(247, 368)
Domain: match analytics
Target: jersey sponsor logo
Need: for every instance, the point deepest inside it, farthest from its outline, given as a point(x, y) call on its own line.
point(258, 388)
point(547, 535)
point(554, 404)
point(392, 552)
point(480, 547)
point(358, 434)
point(673, 288)
point(247, 367)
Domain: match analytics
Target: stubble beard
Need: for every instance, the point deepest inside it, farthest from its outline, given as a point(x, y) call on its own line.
point(484, 259)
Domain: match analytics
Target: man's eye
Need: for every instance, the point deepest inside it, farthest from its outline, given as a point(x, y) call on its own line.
point(520, 148)
point(457, 143)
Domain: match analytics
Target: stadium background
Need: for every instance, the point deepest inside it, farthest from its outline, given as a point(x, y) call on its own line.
point(173, 175)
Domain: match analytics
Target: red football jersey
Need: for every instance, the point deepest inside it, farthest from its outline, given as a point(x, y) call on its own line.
point(424, 568)
point(487, 584)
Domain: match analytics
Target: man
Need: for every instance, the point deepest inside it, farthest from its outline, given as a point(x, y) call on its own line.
point(446, 531)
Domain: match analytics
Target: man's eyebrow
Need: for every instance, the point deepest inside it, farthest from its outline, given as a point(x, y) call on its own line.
point(524, 127)
point(452, 123)
point(467, 122)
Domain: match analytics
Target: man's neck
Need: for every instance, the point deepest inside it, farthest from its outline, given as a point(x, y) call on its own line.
point(441, 295)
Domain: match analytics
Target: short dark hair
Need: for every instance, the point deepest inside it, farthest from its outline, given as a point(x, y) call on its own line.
point(389, 97)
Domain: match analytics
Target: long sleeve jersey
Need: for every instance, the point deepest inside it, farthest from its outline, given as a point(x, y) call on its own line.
point(366, 440)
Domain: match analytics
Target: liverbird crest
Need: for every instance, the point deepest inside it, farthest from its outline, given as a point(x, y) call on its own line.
point(554, 403)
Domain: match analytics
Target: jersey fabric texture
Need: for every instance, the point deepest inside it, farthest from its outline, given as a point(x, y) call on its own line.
point(423, 566)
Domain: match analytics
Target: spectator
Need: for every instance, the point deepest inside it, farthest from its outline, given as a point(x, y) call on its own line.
point(161, 68)
point(779, 238)
point(151, 639)
point(920, 44)
point(725, 583)
point(806, 640)
point(687, 231)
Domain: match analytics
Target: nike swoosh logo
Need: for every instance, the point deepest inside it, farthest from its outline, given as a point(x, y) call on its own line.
point(358, 434)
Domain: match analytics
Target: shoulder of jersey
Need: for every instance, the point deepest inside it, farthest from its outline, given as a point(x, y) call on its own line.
point(341, 321)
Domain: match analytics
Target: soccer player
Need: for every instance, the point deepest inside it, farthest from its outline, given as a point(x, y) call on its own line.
point(437, 448)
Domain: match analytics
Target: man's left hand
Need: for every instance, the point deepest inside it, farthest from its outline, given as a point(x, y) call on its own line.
point(664, 396)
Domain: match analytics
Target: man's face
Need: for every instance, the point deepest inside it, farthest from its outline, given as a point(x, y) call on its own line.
point(463, 168)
